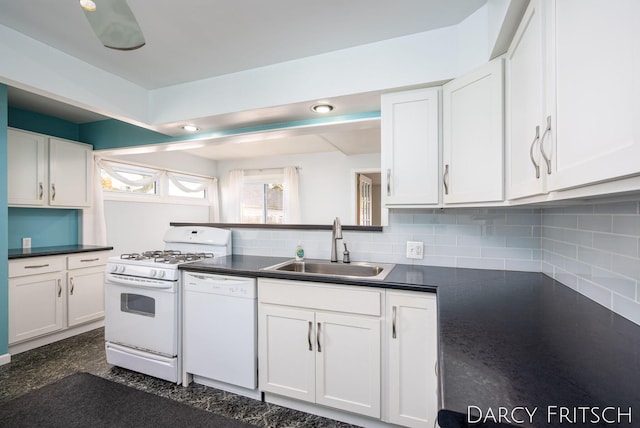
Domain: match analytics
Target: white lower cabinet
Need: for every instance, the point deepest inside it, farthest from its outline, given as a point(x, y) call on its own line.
point(51, 294)
point(307, 352)
point(36, 305)
point(412, 358)
point(323, 344)
point(85, 295)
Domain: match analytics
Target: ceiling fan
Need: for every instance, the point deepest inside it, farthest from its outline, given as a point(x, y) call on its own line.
point(114, 23)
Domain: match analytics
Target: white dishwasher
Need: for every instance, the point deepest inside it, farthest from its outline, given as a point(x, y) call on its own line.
point(220, 332)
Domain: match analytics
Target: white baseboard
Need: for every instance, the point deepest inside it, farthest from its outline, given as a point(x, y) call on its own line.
point(326, 412)
point(54, 337)
point(5, 359)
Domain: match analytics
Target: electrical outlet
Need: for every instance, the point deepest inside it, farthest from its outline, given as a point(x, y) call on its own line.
point(26, 243)
point(415, 250)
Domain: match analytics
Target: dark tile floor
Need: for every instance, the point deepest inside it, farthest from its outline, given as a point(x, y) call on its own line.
point(85, 353)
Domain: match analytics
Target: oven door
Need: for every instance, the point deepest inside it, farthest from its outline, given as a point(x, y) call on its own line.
point(142, 313)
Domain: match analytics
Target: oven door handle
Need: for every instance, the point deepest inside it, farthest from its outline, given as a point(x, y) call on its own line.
point(134, 281)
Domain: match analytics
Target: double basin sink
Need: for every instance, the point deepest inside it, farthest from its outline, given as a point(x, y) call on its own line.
point(361, 270)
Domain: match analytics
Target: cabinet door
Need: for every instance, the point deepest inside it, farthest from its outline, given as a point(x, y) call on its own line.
point(286, 343)
point(598, 91)
point(25, 168)
point(472, 136)
point(36, 304)
point(348, 363)
point(410, 148)
point(70, 173)
point(85, 300)
point(525, 98)
point(412, 356)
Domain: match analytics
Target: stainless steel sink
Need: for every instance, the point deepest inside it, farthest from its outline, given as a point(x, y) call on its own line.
point(364, 270)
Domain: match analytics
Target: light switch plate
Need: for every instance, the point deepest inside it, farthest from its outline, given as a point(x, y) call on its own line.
point(26, 243)
point(415, 250)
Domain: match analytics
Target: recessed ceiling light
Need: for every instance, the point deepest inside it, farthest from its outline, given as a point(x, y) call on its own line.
point(88, 5)
point(190, 128)
point(322, 108)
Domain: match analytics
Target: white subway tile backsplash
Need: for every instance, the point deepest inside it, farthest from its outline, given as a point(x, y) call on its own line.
point(593, 248)
point(595, 292)
point(627, 308)
point(618, 244)
point(626, 225)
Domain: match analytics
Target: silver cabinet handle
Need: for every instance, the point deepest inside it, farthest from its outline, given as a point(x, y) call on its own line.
point(41, 191)
point(72, 286)
point(389, 182)
point(309, 336)
point(59, 289)
point(533, 144)
point(36, 266)
point(393, 322)
point(318, 338)
point(544, 155)
point(89, 260)
point(445, 179)
point(53, 190)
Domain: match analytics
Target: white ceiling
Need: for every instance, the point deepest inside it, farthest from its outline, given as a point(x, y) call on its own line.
point(189, 40)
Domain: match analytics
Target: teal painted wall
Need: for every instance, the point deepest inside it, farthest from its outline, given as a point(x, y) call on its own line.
point(4, 226)
point(46, 227)
point(115, 134)
point(43, 124)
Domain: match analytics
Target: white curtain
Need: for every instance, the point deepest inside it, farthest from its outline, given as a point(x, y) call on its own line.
point(291, 196)
point(211, 186)
point(94, 226)
point(236, 180)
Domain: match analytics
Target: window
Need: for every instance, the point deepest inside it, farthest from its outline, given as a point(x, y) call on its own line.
point(183, 186)
point(262, 200)
point(124, 182)
point(129, 179)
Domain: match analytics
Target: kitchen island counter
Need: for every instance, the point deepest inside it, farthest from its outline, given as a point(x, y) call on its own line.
point(510, 343)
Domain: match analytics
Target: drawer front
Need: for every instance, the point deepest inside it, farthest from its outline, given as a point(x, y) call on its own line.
point(320, 296)
point(35, 265)
point(84, 260)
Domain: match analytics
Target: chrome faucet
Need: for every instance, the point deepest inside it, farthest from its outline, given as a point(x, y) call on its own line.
point(336, 233)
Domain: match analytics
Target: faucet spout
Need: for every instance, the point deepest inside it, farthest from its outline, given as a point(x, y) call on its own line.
point(336, 233)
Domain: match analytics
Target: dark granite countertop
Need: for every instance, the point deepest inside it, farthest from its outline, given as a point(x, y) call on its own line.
point(510, 341)
point(19, 253)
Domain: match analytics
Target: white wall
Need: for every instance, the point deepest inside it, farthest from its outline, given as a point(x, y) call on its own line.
point(325, 182)
point(139, 226)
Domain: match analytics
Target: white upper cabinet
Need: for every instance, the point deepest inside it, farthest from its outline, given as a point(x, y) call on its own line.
point(597, 51)
point(410, 148)
point(26, 168)
point(526, 97)
point(573, 96)
point(48, 172)
point(70, 173)
point(473, 148)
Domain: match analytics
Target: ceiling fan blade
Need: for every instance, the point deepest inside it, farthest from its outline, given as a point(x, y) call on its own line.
point(114, 24)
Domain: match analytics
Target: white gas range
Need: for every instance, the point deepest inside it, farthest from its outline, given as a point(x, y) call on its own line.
point(142, 301)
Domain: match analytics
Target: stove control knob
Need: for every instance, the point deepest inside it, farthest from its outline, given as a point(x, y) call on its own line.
point(153, 273)
point(114, 268)
point(121, 269)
